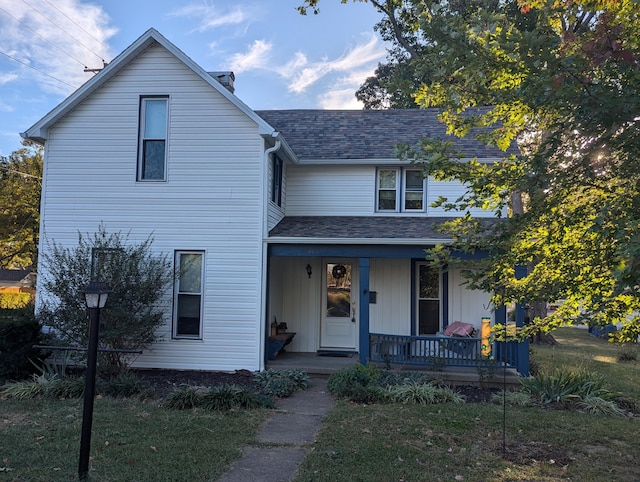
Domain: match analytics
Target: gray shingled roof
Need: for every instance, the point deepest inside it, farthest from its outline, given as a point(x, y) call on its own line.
point(359, 227)
point(364, 134)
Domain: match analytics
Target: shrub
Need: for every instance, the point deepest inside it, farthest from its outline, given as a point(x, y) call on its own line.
point(137, 277)
point(13, 301)
point(513, 398)
point(70, 387)
point(19, 331)
point(24, 390)
point(628, 352)
point(599, 406)
point(185, 397)
point(423, 394)
point(345, 380)
point(390, 378)
point(282, 383)
point(229, 397)
point(124, 385)
point(564, 386)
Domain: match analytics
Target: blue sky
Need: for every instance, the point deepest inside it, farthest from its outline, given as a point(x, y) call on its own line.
point(281, 60)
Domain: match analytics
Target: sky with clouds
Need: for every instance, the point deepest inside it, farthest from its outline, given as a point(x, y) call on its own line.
point(281, 60)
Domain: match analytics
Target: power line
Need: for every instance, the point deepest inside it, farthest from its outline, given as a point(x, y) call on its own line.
point(77, 24)
point(48, 41)
point(63, 30)
point(37, 70)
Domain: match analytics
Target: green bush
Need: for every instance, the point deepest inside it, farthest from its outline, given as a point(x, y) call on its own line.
point(19, 331)
point(229, 397)
point(124, 385)
point(359, 383)
point(513, 398)
point(224, 397)
point(185, 397)
point(566, 387)
point(393, 377)
point(423, 394)
point(13, 301)
point(282, 383)
point(628, 352)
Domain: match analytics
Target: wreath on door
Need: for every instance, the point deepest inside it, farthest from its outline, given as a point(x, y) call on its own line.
point(339, 271)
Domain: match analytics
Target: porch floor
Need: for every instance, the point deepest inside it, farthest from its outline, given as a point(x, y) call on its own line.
point(314, 364)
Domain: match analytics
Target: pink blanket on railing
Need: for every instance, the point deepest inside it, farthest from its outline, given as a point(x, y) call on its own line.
point(458, 328)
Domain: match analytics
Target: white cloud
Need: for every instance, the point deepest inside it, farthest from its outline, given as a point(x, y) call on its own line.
point(209, 17)
point(257, 57)
point(57, 39)
point(8, 77)
point(301, 75)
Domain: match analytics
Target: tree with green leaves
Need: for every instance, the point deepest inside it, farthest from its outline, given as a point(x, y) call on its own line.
point(138, 280)
point(562, 79)
point(20, 186)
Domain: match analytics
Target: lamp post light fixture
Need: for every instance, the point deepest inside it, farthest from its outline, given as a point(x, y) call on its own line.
point(95, 295)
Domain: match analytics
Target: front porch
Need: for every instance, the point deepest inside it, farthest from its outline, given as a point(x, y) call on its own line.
point(314, 364)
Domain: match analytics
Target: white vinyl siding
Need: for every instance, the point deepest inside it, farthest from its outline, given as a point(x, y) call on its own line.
point(350, 190)
point(211, 201)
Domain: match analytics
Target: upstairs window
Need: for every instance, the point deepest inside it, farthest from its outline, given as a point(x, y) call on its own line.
point(152, 148)
point(400, 190)
point(187, 310)
point(276, 181)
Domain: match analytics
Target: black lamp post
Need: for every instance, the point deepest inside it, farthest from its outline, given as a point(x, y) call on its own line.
point(95, 295)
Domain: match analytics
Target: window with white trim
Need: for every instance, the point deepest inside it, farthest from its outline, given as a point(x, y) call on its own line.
point(400, 190)
point(188, 297)
point(152, 139)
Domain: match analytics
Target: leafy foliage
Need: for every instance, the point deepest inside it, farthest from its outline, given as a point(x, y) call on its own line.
point(20, 186)
point(282, 383)
point(423, 394)
point(628, 352)
point(123, 385)
point(137, 277)
point(229, 397)
point(19, 331)
point(571, 388)
point(563, 80)
point(224, 397)
point(14, 300)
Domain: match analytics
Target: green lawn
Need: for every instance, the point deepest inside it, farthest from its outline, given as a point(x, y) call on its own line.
point(450, 442)
point(40, 439)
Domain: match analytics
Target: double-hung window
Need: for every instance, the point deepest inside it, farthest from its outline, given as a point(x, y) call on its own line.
point(152, 142)
point(187, 310)
point(400, 190)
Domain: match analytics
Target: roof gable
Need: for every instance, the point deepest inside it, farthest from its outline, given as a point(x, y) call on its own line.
point(39, 131)
point(366, 134)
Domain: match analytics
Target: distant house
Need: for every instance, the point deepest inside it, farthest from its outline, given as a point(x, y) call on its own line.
point(301, 217)
point(17, 281)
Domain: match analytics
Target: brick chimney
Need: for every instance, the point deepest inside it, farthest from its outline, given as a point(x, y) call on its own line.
point(225, 78)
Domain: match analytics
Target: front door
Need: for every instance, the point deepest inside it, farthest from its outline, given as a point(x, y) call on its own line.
point(339, 306)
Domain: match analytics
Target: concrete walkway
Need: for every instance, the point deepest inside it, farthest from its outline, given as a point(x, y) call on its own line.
point(287, 435)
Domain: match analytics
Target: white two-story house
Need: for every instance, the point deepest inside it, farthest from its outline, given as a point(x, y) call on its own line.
point(303, 217)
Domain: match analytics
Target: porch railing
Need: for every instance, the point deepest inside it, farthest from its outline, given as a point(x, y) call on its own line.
point(434, 352)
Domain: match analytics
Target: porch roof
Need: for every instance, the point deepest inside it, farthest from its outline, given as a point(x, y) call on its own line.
point(360, 227)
